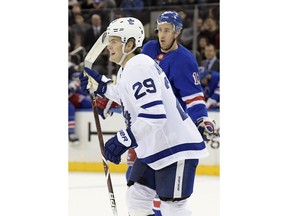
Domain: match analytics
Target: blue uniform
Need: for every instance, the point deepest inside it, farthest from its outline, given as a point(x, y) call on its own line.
point(212, 89)
point(181, 68)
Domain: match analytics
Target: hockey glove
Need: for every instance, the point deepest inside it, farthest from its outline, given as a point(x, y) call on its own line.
point(103, 106)
point(206, 126)
point(118, 144)
point(95, 80)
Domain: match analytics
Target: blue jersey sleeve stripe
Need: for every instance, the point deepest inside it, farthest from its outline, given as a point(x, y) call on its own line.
point(152, 116)
point(151, 104)
point(173, 150)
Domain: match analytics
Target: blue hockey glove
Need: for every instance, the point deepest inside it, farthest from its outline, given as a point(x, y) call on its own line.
point(118, 144)
point(95, 80)
point(206, 126)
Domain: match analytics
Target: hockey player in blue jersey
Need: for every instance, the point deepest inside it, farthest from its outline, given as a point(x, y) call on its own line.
point(210, 82)
point(167, 142)
point(181, 68)
point(76, 100)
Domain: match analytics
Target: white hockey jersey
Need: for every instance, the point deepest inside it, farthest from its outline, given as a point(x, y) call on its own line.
point(163, 131)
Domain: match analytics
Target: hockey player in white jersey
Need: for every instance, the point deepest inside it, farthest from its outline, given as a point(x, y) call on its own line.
point(165, 139)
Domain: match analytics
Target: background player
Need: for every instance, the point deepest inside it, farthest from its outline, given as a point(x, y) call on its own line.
point(76, 100)
point(167, 142)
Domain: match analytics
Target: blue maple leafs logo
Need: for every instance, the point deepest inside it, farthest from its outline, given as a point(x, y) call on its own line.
point(131, 21)
point(126, 115)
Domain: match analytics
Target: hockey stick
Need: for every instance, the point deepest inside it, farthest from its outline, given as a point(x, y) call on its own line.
point(96, 50)
point(92, 55)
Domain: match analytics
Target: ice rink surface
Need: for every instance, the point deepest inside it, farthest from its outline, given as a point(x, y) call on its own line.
point(88, 195)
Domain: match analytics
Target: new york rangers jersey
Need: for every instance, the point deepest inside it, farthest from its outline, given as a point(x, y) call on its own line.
point(181, 68)
point(212, 89)
point(163, 131)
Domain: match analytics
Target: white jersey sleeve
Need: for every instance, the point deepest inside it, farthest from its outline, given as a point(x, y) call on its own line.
point(112, 93)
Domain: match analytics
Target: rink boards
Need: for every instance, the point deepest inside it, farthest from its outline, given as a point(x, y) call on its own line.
point(87, 155)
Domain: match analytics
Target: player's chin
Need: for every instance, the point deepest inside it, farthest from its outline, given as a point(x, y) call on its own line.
point(112, 59)
point(163, 46)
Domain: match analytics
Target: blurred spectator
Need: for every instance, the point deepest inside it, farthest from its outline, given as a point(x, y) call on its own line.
point(210, 82)
point(211, 62)
point(80, 28)
point(91, 36)
point(71, 39)
point(202, 43)
point(118, 14)
point(199, 25)
point(110, 4)
point(187, 34)
point(211, 31)
point(214, 12)
point(99, 9)
point(76, 10)
point(71, 3)
point(98, 4)
point(87, 4)
point(186, 20)
point(93, 32)
point(131, 7)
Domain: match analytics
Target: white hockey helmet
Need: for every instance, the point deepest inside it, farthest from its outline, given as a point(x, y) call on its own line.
point(125, 28)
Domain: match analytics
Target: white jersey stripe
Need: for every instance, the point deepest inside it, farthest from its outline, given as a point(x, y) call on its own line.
point(195, 103)
point(190, 97)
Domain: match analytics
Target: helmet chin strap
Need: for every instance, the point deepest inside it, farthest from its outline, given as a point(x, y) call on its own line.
point(125, 54)
point(170, 46)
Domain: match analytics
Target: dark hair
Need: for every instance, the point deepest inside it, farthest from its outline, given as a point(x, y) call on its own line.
point(138, 49)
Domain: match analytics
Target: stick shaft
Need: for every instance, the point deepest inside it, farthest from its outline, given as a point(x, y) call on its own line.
point(91, 56)
point(105, 163)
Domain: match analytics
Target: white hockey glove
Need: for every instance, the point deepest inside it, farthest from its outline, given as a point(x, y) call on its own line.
point(206, 126)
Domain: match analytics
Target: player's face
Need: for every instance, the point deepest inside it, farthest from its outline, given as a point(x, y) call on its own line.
point(210, 52)
point(115, 49)
point(166, 36)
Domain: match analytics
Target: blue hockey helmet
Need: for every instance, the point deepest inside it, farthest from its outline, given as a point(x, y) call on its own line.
point(171, 17)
